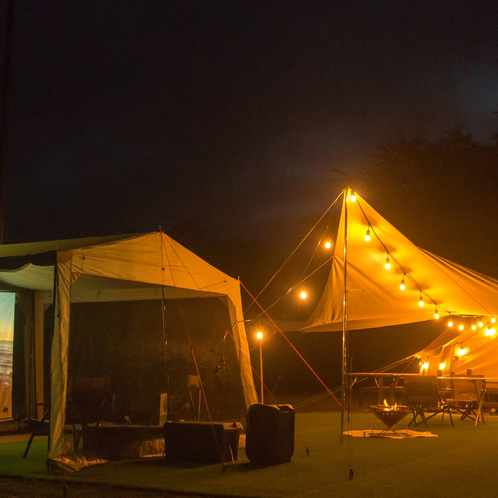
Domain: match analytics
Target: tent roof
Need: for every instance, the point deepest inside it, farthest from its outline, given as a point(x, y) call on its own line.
point(116, 267)
point(374, 295)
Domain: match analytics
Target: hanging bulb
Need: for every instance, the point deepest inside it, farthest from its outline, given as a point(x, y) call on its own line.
point(327, 244)
point(402, 284)
point(474, 327)
point(421, 300)
point(303, 294)
point(353, 196)
point(480, 324)
point(387, 266)
point(490, 332)
point(493, 319)
point(367, 235)
point(436, 316)
point(450, 324)
point(461, 327)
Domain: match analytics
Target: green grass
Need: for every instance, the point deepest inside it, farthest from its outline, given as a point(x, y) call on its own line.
point(460, 460)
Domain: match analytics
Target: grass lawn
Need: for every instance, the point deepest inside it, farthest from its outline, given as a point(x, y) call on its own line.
point(460, 458)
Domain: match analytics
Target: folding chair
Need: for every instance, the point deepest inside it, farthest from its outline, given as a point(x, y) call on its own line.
point(465, 398)
point(423, 397)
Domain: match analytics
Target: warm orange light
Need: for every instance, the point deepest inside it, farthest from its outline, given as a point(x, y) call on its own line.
point(493, 319)
point(461, 327)
point(303, 294)
point(402, 284)
point(462, 351)
point(367, 236)
point(436, 314)
point(421, 300)
point(474, 327)
point(450, 324)
point(425, 366)
point(442, 366)
point(387, 266)
point(259, 335)
point(480, 324)
point(328, 244)
point(490, 332)
point(353, 196)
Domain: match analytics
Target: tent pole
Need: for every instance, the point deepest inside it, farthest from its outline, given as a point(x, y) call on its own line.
point(345, 317)
point(165, 350)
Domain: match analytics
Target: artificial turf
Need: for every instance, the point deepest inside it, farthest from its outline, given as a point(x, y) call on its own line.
point(460, 458)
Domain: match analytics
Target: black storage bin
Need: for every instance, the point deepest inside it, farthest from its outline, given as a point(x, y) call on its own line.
point(201, 442)
point(270, 434)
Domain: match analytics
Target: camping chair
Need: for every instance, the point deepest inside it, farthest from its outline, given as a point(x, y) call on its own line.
point(423, 397)
point(465, 398)
point(87, 398)
point(39, 427)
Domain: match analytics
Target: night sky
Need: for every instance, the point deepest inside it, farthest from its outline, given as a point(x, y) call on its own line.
point(229, 115)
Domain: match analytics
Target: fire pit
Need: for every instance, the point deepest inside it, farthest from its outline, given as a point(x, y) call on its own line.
point(390, 415)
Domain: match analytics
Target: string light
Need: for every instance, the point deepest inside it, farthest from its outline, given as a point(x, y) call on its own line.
point(461, 327)
point(450, 324)
point(474, 327)
point(461, 351)
point(490, 332)
point(353, 196)
point(480, 324)
point(367, 235)
point(493, 319)
point(387, 266)
point(421, 300)
point(436, 316)
point(303, 294)
point(402, 284)
point(328, 244)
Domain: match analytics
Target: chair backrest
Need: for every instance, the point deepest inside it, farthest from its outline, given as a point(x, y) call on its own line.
point(422, 390)
point(467, 390)
point(87, 397)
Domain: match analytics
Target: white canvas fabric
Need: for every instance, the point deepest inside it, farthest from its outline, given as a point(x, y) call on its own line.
point(373, 293)
point(114, 268)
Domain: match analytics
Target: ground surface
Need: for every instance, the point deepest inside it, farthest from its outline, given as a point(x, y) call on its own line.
point(10, 488)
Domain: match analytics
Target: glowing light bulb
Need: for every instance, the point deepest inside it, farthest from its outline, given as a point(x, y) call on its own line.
point(474, 327)
point(421, 300)
point(367, 235)
point(425, 365)
point(259, 335)
point(328, 244)
point(436, 314)
point(490, 332)
point(402, 284)
point(442, 366)
point(387, 266)
point(462, 351)
point(353, 196)
point(461, 327)
point(480, 324)
point(493, 319)
point(303, 294)
point(450, 324)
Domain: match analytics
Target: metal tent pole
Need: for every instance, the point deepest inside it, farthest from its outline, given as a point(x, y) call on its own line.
point(345, 316)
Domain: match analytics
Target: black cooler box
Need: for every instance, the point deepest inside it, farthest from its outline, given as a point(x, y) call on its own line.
point(201, 442)
point(270, 434)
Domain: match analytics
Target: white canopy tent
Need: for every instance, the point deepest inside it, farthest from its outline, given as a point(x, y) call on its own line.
point(149, 266)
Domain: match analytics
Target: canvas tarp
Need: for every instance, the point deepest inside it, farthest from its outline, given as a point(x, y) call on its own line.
point(374, 297)
point(114, 268)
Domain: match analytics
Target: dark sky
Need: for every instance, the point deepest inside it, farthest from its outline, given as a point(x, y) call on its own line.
point(130, 115)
